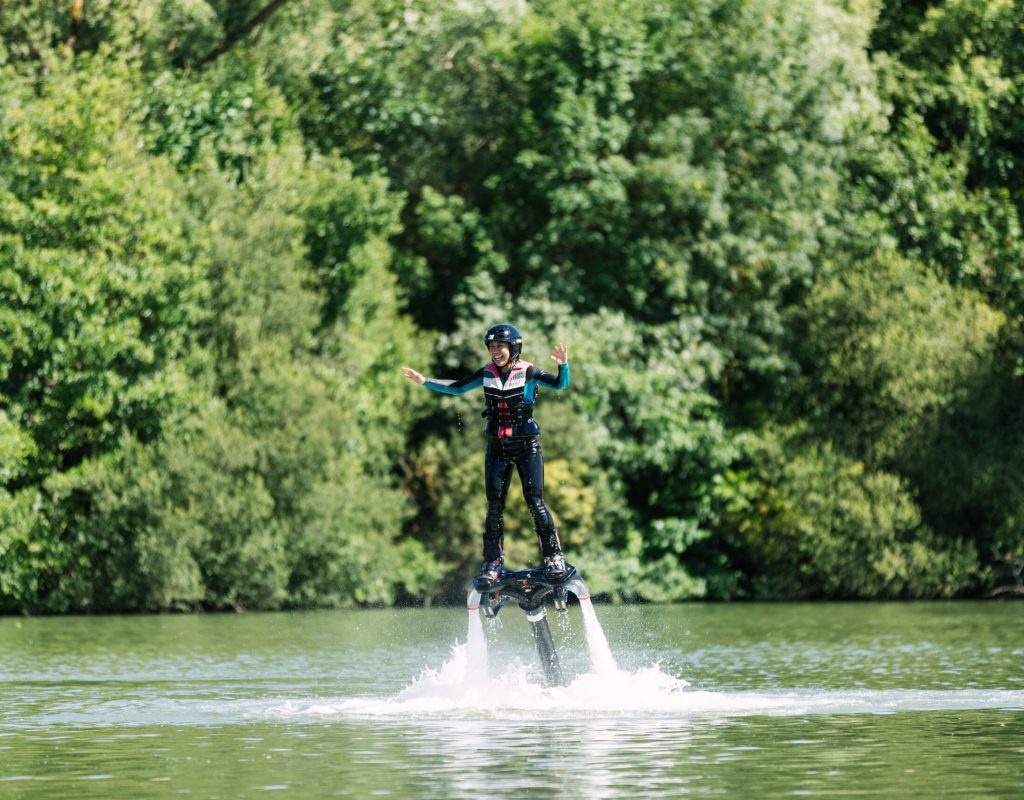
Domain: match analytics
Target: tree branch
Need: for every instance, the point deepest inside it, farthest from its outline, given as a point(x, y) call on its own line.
point(233, 37)
point(77, 11)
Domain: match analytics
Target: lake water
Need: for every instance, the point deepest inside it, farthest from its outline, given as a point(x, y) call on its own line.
point(728, 701)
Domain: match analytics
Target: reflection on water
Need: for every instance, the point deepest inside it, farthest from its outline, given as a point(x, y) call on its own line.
point(860, 700)
point(912, 754)
point(668, 758)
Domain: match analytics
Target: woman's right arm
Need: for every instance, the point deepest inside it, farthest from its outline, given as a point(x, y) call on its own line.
point(413, 375)
point(461, 386)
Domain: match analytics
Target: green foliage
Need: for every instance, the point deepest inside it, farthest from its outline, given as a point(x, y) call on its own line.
point(16, 449)
point(803, 521)
point(174, 372)
point(895, 349)
point(581, 152)
point(232, 116)
point(948, 184)
point(28, 31)
point(100, 288)
point(289, 474)
point(781, 239)
point(954, 76)
point(25, 560)
point(968, 474)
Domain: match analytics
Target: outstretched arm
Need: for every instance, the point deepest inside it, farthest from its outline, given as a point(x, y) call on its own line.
point(461, 386)
point(413, 375)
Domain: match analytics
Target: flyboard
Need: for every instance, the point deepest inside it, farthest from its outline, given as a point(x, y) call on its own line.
point(530, 589)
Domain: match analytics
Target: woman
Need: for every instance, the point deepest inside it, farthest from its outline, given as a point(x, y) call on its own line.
point(513, 440)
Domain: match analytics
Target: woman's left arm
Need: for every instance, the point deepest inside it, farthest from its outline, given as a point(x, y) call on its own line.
point(560, 355)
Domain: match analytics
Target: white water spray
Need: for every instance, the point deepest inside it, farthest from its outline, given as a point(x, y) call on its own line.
point(477, 665)
point(601, 660)
point(464, 688)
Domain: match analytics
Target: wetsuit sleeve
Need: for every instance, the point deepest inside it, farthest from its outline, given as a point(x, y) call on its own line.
point(461, 386)
point(544, 378)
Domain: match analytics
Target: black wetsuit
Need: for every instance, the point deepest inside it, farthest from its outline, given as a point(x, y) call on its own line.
point(513, 442)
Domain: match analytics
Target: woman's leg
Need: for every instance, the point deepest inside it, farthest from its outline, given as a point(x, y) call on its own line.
point(497, 475)
point(530, 463)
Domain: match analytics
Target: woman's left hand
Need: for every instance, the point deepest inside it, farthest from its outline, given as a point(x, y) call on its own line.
point(560, 354)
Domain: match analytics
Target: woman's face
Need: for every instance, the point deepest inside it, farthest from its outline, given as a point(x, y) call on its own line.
point(500, 353)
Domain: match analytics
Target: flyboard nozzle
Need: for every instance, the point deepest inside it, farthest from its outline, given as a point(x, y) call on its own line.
point(529, 589)
point(560, 598)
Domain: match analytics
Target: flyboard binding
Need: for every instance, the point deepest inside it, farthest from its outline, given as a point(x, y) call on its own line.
point(530, 589)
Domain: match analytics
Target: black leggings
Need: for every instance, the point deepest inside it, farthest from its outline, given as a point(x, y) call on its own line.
point(524, 454)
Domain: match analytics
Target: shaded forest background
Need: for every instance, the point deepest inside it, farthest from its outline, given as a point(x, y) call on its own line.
point(782, 239)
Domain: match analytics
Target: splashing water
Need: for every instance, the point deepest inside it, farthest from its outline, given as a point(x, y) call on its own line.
point(601, 660)
point(600, 653)
point(464, 685)
point(465, 688)
point(910, 666)
point(515, 694)
point(477, 665)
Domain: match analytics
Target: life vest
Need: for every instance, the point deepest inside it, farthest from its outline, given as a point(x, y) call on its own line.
point(509, 411)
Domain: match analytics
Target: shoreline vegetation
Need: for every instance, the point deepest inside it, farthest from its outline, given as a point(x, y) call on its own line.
point(782, 240)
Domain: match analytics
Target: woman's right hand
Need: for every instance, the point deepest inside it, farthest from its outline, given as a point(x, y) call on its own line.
point(413, 375)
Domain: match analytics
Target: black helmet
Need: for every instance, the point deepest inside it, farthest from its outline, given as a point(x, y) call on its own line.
point(509, 334)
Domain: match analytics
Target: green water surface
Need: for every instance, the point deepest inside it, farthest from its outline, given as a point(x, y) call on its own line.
point(828, 700)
